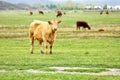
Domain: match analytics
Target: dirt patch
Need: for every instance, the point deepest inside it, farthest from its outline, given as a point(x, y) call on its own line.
point(110, 71)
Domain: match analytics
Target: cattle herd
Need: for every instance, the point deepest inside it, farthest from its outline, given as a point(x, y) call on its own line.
point(46, 31)
point(106, 11)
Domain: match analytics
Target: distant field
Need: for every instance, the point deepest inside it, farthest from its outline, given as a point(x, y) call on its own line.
point(23, 18)
point(85, 49)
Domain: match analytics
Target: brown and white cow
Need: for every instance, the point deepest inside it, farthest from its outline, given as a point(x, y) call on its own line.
point(100, 30)
point(43, 32)
point(30, 12)
point(82, 24)
point(101, 12)
point(41, 12)
point(59, 14)
point(107, 12)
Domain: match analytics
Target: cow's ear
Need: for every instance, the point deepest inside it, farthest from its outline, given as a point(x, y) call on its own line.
point(59, 22)
point(49, 22)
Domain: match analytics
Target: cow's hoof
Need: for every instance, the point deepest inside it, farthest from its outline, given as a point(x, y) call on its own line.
point(50, 52)
point(42, 52)
point(31, 52)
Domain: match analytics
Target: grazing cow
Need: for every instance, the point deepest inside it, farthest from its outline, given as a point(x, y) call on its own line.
point(101, 12)
point(59, 14)
point(40, 12)
point(107, 12)
point(43, 32)
point(82, 24)
point(101, 30)
point(31, 13)
point(64, 13)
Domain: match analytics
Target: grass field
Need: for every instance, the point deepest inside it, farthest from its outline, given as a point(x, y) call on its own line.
point(90, 52)
point(23, 18)
point(84, 48)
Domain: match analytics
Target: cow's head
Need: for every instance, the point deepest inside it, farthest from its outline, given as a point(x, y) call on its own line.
point(54, 24)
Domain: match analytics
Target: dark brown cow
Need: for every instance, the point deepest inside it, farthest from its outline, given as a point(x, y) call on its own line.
point(64, 13)
point(82, 24)
point(59, 14)
point(101, 12)
point(31, 13)
point(40, 12)
point(107, 12)
point(101, 30)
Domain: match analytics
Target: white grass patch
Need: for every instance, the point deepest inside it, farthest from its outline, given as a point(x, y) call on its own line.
point(110, 71)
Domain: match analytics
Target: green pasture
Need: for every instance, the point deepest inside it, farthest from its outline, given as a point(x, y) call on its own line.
point(32, 76)
point(85, 49)
point(85, 52)
point(82, 52)
point(23, 17)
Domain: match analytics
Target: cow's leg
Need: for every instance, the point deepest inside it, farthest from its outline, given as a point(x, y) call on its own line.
point(31, 44)
point(51, 44)
point(79, 27)
point(76, 27)
point(41, 47)
point(46, 45)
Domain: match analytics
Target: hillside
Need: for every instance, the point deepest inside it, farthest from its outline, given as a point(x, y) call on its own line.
point(50, 4)
point(31, 2)
point(8, 6)
point(96, 2)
